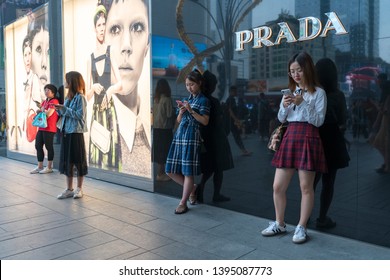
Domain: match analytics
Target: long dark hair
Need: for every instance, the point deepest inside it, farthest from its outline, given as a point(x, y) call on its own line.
point(196, 77)
point(327, 74)
point(75, 83)
point(210, 83)
point(162, 88)
point(310, 77)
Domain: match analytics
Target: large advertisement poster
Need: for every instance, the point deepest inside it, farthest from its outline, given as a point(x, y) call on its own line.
point(108, 42)
point(27, 72)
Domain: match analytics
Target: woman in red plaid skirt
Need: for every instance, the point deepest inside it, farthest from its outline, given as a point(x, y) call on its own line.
point(301, 147)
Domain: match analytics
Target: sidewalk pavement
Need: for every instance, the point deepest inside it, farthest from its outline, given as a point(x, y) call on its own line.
point(117, 222)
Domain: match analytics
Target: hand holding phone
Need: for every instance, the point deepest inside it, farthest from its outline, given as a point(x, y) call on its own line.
point(179, 103)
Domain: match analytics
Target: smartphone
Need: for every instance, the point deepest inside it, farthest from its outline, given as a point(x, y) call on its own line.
point(286, 91)
point(179, 103)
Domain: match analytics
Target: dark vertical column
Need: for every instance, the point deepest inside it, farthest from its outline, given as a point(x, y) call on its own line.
point(56, 59)
point(55, 29)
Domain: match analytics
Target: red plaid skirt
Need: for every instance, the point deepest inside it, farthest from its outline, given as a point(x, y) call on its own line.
point(301, 148)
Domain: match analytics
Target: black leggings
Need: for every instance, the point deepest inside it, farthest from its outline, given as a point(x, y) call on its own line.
point(44, 138)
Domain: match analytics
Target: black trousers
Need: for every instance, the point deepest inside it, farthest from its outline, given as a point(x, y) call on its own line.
point(44, 138)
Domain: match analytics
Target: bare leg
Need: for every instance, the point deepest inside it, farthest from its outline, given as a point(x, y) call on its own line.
point(306, 180)
point(281, 182)
point(80, 180)
point(50, 164)
point(188, 187)
point(160, 169)
point(69, 182)
point(178, 178)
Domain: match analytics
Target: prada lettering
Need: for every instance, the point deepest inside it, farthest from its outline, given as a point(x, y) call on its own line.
point(261, 36)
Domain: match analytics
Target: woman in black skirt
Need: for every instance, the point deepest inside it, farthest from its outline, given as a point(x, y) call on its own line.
point(301, 147)
point(73, 153)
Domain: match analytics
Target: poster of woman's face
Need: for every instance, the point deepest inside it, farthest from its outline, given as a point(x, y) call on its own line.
point(40, 54)
point(128, 33)
point(27, 42)
point(111, 49)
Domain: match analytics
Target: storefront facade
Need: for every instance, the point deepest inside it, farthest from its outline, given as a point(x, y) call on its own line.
point(244, 43)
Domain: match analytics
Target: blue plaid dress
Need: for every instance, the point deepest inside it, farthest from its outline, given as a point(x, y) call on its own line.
point(184, 153)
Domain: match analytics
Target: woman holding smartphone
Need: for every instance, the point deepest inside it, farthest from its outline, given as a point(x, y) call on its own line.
point(183, 161)
point(73, 153)
point(301, 147)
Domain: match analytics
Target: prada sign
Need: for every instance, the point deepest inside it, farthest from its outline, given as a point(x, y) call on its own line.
point(261, 36)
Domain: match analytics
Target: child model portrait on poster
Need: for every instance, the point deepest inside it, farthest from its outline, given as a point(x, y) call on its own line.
point(102, 82)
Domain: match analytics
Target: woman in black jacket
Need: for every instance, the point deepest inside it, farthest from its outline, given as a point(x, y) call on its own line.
point(216, 155)
point(332, 136)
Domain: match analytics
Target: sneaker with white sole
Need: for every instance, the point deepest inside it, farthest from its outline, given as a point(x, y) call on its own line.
point(65, 194)
point(274, 228)
point(46, 170)
point(78, 193)
point(300, 235)
point(36, 170)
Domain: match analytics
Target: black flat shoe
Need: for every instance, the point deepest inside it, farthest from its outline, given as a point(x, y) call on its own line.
point(325, 224)
point(220, 198)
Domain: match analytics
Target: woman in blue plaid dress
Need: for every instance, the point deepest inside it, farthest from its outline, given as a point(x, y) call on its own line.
point(183, 161)
point(301, 147)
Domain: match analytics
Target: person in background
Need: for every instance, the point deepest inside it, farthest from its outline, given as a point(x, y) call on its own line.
point(235, 123)
point(183, 161)
point(301, 147)
point(264, 112)
point(382, 138)
point(162, 127)
point(73, 153)
point(217, 155)
point(332, 136)
point(3, 117)
point(45, 136)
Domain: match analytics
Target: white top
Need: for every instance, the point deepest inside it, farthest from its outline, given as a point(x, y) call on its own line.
point(311, 110)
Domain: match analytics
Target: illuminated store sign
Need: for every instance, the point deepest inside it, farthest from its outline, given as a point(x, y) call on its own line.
point(261, 35)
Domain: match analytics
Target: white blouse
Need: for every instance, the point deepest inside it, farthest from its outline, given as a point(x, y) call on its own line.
point(311, 110)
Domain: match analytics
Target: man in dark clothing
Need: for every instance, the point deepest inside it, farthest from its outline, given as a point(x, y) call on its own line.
point(264, 116)
point(235, 123)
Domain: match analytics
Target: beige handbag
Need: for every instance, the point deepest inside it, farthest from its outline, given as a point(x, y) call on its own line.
point(100, 137)
point(276, 137)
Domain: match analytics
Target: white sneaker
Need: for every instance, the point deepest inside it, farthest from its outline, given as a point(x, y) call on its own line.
point(46, 170)
point(36, 170)
point(65, 194)
point(300, 235)
point(273, 229)
point(78, 193)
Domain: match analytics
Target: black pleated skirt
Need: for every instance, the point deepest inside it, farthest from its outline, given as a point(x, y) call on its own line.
point(73, 155)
